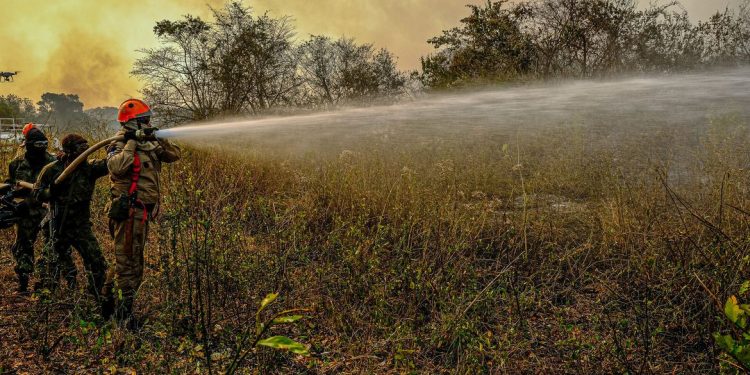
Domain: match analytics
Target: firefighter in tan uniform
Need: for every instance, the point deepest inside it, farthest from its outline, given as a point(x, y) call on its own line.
point(134, 167)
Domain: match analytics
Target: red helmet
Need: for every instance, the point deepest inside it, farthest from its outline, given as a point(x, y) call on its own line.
point(132, 109)
point(26, 128)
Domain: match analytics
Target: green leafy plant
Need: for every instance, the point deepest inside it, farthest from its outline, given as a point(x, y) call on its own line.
point(737, 343)
point(253, 338)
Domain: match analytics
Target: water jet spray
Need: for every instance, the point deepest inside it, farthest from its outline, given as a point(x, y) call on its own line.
point(683, 101)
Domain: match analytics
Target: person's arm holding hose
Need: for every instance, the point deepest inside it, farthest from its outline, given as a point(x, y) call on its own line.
point(99, 168)
point(23, 206)
point(168, 152)
point(120, 157)
point(11, 180)
point(44, 185)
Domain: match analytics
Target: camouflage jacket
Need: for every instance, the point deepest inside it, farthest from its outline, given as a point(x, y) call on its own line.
point(21, 169)
point(120, 156)
point(75, 193)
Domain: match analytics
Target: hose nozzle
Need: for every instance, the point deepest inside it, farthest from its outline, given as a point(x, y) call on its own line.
point(147, 134)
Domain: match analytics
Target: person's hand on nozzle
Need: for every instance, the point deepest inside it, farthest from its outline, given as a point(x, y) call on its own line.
point(147, 134)
point(130, 134)
point(140, 135)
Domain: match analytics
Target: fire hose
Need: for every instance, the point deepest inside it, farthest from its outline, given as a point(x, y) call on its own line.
point(81, 158)
point(74, 164)
point(25, 185)
point(8, 208)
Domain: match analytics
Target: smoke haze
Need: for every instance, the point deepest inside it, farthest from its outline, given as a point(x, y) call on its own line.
point(86, 47)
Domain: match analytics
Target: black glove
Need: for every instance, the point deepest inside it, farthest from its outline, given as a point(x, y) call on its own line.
point(15, 193)
point(131, 134)
point(149, 134)
point(42, 194)
point(22, 208)
point(53, 190)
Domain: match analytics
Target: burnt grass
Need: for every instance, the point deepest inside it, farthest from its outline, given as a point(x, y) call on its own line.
point(557, 252)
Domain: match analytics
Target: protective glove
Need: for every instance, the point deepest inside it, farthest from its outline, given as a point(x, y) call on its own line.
point(22, 208)
point(149, 134)
point(53, 190)
point(15, 193)
point(131, 134)
point(41, 195)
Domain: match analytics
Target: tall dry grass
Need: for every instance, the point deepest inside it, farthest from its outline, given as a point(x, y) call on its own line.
point(558, 250)
point(575, 249)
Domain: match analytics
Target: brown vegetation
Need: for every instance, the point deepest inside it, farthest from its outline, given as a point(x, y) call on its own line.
point(607, 245)
point(552, 251)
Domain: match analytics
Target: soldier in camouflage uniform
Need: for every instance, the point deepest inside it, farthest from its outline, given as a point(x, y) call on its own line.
point(26, 167)
point(70, 204)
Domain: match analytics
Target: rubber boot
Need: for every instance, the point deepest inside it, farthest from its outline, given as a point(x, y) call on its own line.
point(23, 284)
point(134, 324)
point(123, 311)
point(72, 282)
point(38, 286)
point(107, 306)
point(125, 318)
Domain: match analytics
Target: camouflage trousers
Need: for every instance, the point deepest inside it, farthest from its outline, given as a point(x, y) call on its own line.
point(27, 231)
point(130, 240)
point(57, 261)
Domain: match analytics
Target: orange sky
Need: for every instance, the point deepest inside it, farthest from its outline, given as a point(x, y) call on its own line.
point(87, 46)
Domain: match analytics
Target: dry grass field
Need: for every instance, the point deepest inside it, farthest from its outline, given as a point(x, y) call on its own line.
point(567, 249)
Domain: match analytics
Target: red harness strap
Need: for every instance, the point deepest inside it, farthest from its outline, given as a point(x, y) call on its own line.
point(134, 202)
point(134, 186)
point(136, 174)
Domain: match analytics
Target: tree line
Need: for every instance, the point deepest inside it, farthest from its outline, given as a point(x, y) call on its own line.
point(242, 63)
point(64, 111)
point(547, 39)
